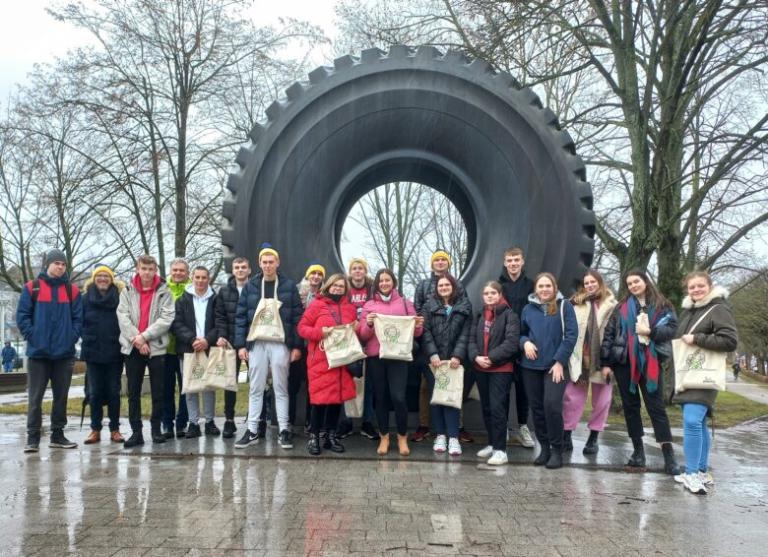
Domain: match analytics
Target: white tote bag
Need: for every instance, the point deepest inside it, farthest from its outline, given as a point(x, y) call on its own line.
point(395, 336)
point(193, 374)
point(354, 407)
point(697, 367)
point(266, 324)
point(449, 385)
point(342, 346)
point(221, 370)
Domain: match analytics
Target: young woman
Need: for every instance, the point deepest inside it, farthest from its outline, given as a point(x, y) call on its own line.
point(593, 305)
point(548, 332)
point(446, 331)
point(328, 388)
point(635, 342)
point(389, 376)
point(706, 321)
point(493, 343)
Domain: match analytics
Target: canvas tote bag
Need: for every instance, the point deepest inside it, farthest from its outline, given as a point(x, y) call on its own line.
point(354, 407)
point(395, 336)
point(193, 373)
point(697, 367)
point(266, 324)
point(449, 385)
point(221, 371)
point(341, 345)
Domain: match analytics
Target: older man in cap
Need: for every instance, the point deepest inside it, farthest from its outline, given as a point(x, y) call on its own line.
point(50, 317)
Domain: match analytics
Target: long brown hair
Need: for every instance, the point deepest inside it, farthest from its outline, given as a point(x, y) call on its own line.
point(602, 291)
point(653, 297)
point(551, 306)
point(454, 289)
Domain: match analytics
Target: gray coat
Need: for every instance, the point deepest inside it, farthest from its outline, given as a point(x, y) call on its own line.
point(161, 314)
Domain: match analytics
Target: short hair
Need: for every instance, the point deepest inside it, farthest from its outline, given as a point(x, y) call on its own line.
point(514, 250)
point(335, 277)
point(146, 260)
point(454, 288)
point(201, 268)
point(697, 274)
point(180, 261)
point(241, 260)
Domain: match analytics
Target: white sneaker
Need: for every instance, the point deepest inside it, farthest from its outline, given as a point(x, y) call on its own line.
point(440, 444)
point(454, 448)
point(525, 437)
point(498, 458)
point(485, 452)
point(693, 484)
point(706, 478)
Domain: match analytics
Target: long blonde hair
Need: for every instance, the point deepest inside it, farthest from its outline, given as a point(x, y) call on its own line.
point(551, 306)
point(602, 292)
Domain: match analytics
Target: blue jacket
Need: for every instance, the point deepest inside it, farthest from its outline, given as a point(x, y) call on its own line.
point(546, 332)
point(290, 311)
point(101, 332)
point(9, 354)
point(52, 324)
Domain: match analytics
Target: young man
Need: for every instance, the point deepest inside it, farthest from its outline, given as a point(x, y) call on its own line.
point(50, 318)
point(145, 314)
point(516, 288)
point(225, 307)
point(177, 284)
point(440, 264)
point(264, 356)
point(195, 329)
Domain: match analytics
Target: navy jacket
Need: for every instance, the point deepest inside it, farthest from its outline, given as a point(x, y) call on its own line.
point(9, 354)
point(101, 332)
point(52, 325)
point(546, 332)
point(185, 328)
point(290, 311)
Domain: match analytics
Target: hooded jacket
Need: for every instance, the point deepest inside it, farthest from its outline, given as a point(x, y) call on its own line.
point(516, 292)
point(546, 331)
point(161, 314)
point(503, 337)
point(446, 335)
point(717, 332)
point(52, 324)
point(185, 323)
point(101, 331)
point(395, 306)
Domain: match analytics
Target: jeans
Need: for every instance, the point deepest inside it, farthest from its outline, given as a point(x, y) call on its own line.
point(546, 400)
point(445, 419)
point(576, 398)
point(263, 358)
point(494, 390)
point(654, 404)
point(390, 378)
point(193, 406)
point(39, 372)
point(104, 388)
point(172, 377)
point(8, 366)
point(135, 366)
point(695, 437)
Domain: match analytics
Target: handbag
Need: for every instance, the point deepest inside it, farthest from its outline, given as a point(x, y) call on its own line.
point(266, 324)
point(341, 345)
point(395, 336)
point(221, 369)
point(697, 367)
point(449, 385)
point(193, 373)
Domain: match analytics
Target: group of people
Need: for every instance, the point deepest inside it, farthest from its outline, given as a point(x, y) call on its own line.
point(526, 334)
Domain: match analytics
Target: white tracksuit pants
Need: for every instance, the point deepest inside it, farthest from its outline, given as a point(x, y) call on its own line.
point(263, 357)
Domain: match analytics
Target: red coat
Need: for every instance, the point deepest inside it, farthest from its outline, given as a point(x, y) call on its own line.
point(326, 386)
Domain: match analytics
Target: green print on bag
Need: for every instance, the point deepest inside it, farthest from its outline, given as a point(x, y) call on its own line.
point(391, 334)
point(337, 340)
point(198, 371)
point(266, 317)
point(695, 360)
point(221, 369)
point(442, 380)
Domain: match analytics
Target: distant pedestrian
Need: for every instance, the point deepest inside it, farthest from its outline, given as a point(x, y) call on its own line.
point(9, 357)
point(736, 370)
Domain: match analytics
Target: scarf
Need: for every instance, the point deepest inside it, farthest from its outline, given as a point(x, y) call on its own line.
point(643, 359)
point(591, 353)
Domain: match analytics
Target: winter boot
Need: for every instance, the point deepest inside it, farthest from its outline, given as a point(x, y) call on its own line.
point(567, 441)
point(591, 446)
point(670, 464)
point(555, 459)
point(543, 457)
point(332, 442)
point(637, 460)
point(313, 444)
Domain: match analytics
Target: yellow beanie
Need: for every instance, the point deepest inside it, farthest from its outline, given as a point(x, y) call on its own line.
point(359, 260)
point(103, 269)
point(440, 253)
point(269, 250)
point(315, 267)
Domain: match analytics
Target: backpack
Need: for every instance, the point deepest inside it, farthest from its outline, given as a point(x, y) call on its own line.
point(35, 293)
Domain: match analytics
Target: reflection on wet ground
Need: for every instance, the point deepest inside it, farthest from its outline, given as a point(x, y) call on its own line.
point(104, 501)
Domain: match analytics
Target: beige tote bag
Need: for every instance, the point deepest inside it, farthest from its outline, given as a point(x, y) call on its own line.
point(395, 336)
point(342, 346)
point(354, 407)
point(193, 374)
point(449, 385)
point(697, 367)
point(266, 324)
point(221, 371)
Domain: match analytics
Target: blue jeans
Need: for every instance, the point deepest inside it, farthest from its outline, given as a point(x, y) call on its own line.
point(172, 376)
point(695, 437)
point(8, 366)
point(445, 419)
point(103, 382)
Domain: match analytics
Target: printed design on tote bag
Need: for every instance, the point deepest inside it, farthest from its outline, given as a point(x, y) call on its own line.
point(442, 380)
point(267, 317)
point(391, 334)
point(695, 360)
point(337, 340)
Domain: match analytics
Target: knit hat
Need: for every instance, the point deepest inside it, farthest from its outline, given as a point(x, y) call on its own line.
point(103, 269)
point(315, 267)
point(267, 249)
point(53, 256)
point(360, 260)
point(440, 253)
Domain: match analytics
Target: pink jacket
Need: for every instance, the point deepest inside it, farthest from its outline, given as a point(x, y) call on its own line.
point(395, 306)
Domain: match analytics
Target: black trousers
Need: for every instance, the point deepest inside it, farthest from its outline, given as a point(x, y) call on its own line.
point(230, 397)
point(654, 404)
point(103, 380)
point(494, 400)
point(135, 364)
point(521, 400)
point(39, 372)
point(324, 417)
point(546, 400)
point(390, 380)
point(297, 375)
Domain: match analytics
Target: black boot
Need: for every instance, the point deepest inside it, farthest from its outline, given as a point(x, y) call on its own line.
point(567, 441)
point(670, 464)
point(555, 459)
point(591, 446)
point(637, 460)
point(332, 443)
point(157, 436)
point(543, 457)
point(313, 445)
point(136, 439)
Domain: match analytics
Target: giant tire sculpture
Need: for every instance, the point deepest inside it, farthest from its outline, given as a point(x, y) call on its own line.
point(412, 115)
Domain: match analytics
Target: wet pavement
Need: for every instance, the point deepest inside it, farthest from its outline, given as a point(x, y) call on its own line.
point(748, 389)
point(169, 500)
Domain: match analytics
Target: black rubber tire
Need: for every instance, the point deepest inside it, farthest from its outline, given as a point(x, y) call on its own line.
point(412, 115)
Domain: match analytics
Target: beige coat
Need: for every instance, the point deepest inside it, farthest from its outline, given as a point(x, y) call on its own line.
point(582, 318)
point(161, 314)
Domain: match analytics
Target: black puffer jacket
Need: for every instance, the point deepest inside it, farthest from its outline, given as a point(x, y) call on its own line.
point(225, 308)
point(446, 335)
point(516, 293)
point(290, 311)
point(101, 332)
point(425, 292)
point(503, 338)
point(185, 328)
point(613, 350)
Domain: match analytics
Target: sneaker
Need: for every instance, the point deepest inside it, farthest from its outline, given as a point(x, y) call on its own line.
point(33, 444)
point(367, 430)
point(706, 478)
point(485, 452)
point(136, 439)
point(441, 444)
point(286, 439)
point(211, 429)
point(465, 436)
point(526, 439)
point(58, 441)
point(420, 434)
point(693, 484)
point(345, 429)
point(229, 429)
point(454, 448)
point(498, 458)
point(248, 438)
point(93, 437)
point(193, 430)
